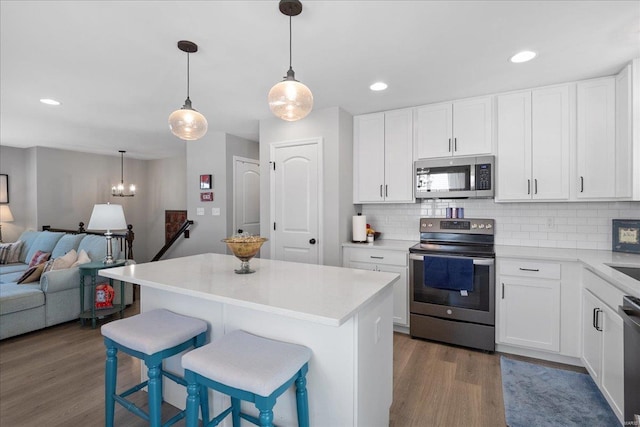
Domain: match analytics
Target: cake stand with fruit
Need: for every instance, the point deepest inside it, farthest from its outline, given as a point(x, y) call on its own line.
point(244, 248)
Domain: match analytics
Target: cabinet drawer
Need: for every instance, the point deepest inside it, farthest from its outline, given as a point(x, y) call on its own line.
point(608, 293)
point(541, 270)
point(378, 256)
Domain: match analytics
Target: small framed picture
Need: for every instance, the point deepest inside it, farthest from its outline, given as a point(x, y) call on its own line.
point(4, 188)
point(205, 182)
point(206, 197)
point(626, 236)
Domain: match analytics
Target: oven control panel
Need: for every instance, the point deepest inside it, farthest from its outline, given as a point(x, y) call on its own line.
point(465, 226)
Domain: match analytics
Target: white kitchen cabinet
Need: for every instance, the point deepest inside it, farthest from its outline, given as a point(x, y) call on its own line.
point(460, 128)
point(389, 261)
point(602, 339)
point(529, 304)
point(533, 144)
point(624, 139)
point(383, 157)
point(596, 139)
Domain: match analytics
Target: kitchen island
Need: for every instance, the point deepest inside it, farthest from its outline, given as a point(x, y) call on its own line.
point(343, 315)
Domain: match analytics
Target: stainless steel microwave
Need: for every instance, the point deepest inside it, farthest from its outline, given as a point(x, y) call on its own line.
point(455, 178)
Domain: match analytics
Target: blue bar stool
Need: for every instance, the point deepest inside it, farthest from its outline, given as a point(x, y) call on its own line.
point(152, 337)
point(250, 368)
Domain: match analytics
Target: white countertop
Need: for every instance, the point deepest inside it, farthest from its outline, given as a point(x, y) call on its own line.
point(396, 245)
point(316, 293)
point(597, 261)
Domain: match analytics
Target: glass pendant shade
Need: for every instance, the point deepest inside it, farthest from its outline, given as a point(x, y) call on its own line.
point(188, 124)
point(290, 100)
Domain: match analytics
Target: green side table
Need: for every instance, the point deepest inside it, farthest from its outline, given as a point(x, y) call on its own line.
point(91, 269)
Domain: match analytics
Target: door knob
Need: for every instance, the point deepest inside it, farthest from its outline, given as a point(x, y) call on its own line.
point(239, 230)
point(312, 241)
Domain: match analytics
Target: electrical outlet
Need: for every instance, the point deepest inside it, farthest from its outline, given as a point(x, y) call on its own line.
point(550, 224)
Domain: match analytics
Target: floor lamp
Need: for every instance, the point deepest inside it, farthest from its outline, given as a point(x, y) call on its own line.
point(107, 217)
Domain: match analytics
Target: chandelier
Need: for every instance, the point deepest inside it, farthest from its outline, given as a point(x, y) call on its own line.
point(118, 190)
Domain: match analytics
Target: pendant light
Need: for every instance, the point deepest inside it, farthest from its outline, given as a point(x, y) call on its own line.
point(118, 190)
point(290, 100)
point(186, 123)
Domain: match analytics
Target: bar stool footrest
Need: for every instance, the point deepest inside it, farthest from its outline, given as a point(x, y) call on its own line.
point(218, 418)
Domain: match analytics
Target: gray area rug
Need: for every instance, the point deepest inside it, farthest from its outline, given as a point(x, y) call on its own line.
point(536, 395)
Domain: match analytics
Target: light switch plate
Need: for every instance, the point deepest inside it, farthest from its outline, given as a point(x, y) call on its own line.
point(199, 211)
point(215, 211)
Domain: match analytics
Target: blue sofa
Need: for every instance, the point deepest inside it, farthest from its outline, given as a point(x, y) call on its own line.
point(55, 298)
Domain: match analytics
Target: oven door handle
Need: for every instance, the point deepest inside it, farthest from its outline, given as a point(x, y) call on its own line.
point(476, 261)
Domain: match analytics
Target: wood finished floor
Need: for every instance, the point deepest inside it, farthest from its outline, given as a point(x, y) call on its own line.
point(55, 377)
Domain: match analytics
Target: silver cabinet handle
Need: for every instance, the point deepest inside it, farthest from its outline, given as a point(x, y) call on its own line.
point(529, 269)
point(380, 190)
point(455, 144)
point(528, 186)
point(535, 186)
point(582, 184)
point(449, 144)
point(503, 291)
point(386, 191)
point(376, 257)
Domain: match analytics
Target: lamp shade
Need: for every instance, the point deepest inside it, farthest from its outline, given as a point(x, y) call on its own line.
point(5, 214)
point(107, 217)
point(290, 100)
point(188, 124)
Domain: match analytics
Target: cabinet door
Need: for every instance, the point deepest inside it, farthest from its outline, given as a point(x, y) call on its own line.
point(472, 127)
point(550, 146)
point(368, 157)
point(398, 154)
point(591, 337)
point(613, 358)
point(514, 146)
point(624, 121)
point(433, 127)
point(400, 289)
point(530, 313)
point(596, 138)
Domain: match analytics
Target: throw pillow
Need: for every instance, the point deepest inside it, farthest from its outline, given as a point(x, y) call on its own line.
point(39, 257)
point(32, 274)
point(65, 261)
point(48, 266)
point(10, 252)
point(83, 258)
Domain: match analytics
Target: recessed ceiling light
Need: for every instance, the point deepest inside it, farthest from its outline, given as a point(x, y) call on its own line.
point(49, 101)
point(378, 86)
point(524, 56)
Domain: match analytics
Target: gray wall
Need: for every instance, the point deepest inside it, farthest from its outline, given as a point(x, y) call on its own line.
point(335, 126)
point(212, 155)
point(59, 188)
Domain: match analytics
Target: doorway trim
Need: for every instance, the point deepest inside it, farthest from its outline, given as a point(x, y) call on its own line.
point(318, 141)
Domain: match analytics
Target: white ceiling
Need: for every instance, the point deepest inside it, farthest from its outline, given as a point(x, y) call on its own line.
point(116, 68)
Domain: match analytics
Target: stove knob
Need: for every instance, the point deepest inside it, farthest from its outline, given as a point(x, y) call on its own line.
point(489, 226)
point(474, 225)
point(481, 226)
point(430, 225)
point(449, 311)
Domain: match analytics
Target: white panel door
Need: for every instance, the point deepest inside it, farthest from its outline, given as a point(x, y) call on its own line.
point(398, 154)
point(472, 127)
point(296, 199)
point(514, 146)
point(550, 146)
point(433, 127)
point(246, 196)
point(596, 138)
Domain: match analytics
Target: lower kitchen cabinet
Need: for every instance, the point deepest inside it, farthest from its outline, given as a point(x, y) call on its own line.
point(388, 261)
point(536, 308)
point(602, 339)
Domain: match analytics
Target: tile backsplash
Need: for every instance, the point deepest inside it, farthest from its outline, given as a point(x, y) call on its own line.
point(582, 225)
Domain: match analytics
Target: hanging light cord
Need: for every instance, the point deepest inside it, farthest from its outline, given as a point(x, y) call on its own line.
point(188, 75)
point(122, 168)
point(290, 50)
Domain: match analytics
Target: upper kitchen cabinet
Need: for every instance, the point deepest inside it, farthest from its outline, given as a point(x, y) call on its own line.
point(383, 157)
point(460, 128)
point(533, 144)
point(596, 144)
point(624, 140)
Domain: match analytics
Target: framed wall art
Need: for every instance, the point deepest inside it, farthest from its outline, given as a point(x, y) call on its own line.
point(206, 197)
point(205, 182)
point(173, 220)
point(4, 188)
point(626, 235)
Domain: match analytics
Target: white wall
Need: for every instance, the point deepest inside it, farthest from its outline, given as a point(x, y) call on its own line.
point(335, 127)
point(13, 162)
point(575, 225)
